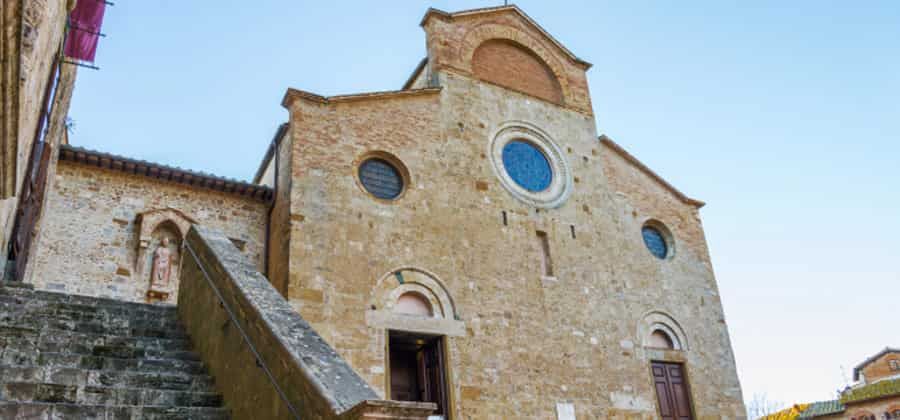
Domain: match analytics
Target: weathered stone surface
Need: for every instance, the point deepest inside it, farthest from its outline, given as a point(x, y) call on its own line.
point(315, 382)
point(51, 369)
point(533, 339)
point(86, 249)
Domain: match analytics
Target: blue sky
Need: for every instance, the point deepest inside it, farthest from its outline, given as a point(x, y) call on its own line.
point(783, 116)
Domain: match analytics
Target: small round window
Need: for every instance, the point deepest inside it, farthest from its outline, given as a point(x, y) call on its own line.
point(527, 165)
point(381, 178)
point(655, 241)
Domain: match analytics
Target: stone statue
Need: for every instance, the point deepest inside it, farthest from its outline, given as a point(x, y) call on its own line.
point(162, 266)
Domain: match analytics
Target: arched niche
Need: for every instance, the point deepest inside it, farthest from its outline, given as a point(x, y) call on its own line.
point(157, 229)
point(398, 282)
point(392, 301)
point(492, 31)
point(512, 65)
point(659, 330)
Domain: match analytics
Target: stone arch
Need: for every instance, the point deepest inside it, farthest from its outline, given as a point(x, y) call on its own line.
point(147, 222)
point(863, 415)
point(492, 31)
point(660, 321)
point(510, 64)
point(152, 226)
point(404, 280)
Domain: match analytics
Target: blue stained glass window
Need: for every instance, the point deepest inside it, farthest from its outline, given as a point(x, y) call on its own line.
point(527, 165)
point(381, 179)
point(655, 242)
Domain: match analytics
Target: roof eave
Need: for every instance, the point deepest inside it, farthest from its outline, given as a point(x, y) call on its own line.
point(270, 152)
point(164, 173)
point(415, 74)
point(649, 172)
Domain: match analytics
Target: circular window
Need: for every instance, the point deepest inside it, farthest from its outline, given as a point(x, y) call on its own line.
point(381, 178)
point(655, 241)
point(527, 165)
point(530, 165)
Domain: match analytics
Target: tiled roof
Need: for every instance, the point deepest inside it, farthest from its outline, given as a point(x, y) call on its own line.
point(163, 172)
point(822, 408)
point(880, 389)
point(789, 413)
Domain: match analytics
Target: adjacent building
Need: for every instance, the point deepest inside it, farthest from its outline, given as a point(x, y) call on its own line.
point(875, 394)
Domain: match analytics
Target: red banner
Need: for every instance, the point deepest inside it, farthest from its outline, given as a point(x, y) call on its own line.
point(84, 30)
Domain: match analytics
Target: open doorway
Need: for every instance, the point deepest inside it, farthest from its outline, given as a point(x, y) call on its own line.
point(417, 370)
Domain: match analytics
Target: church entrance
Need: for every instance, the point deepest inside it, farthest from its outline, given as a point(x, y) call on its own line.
point(417, 367)
point(672, 393)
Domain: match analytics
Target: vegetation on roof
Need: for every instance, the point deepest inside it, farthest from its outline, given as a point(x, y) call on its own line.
point(788, 413)
point(871, 391)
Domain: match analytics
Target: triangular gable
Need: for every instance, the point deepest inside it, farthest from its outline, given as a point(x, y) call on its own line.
point(432, 12)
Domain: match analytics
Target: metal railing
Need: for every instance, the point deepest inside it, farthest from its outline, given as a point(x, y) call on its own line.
point(259, 361)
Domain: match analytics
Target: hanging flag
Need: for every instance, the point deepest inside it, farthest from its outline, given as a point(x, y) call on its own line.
point(84, 30)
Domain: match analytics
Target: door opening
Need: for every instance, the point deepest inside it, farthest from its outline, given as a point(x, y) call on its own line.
point(417, 366)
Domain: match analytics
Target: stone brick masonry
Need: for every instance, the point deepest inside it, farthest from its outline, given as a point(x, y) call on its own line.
point(90, 239)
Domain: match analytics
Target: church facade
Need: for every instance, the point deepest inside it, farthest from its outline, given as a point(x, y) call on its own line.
point(468, 240)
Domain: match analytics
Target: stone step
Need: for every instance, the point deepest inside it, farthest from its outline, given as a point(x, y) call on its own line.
point(90, 340)
point(139, 364)
point(24, 295)
point(49, 411)
point(139, 329)
point(82, 303)
point(65, 311)
point(13, 342)
point(97, 395)
point(58, 375)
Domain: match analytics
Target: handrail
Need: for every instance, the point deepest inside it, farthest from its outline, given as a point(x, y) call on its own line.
point(259, 360)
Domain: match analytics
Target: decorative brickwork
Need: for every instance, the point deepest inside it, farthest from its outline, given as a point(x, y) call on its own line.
point(511, 65)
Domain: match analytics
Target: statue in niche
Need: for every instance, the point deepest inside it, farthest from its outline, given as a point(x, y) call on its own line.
point(163, 271)
point(162, 266)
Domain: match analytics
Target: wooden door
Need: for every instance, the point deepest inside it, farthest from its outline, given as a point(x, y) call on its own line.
point(29, 211)
point(404, 376)
point(672, 392)
point(432, 362)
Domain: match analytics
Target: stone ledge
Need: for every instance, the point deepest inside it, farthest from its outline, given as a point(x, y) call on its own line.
point(437, 326)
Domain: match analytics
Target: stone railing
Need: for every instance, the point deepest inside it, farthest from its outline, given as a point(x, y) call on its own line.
point(267, 361)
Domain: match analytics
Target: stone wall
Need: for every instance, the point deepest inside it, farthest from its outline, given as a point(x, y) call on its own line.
point(91, 240)
point(267, 361)
point(280, 218)
point(452, 40)
point(529, 341)
point(32, 32)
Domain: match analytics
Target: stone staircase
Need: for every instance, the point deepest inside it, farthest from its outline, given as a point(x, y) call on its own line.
point(74, 357)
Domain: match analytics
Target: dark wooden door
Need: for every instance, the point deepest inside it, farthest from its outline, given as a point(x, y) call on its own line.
point(672, 392)
point(29, 210)
point(432, 367)
point(404, 376)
